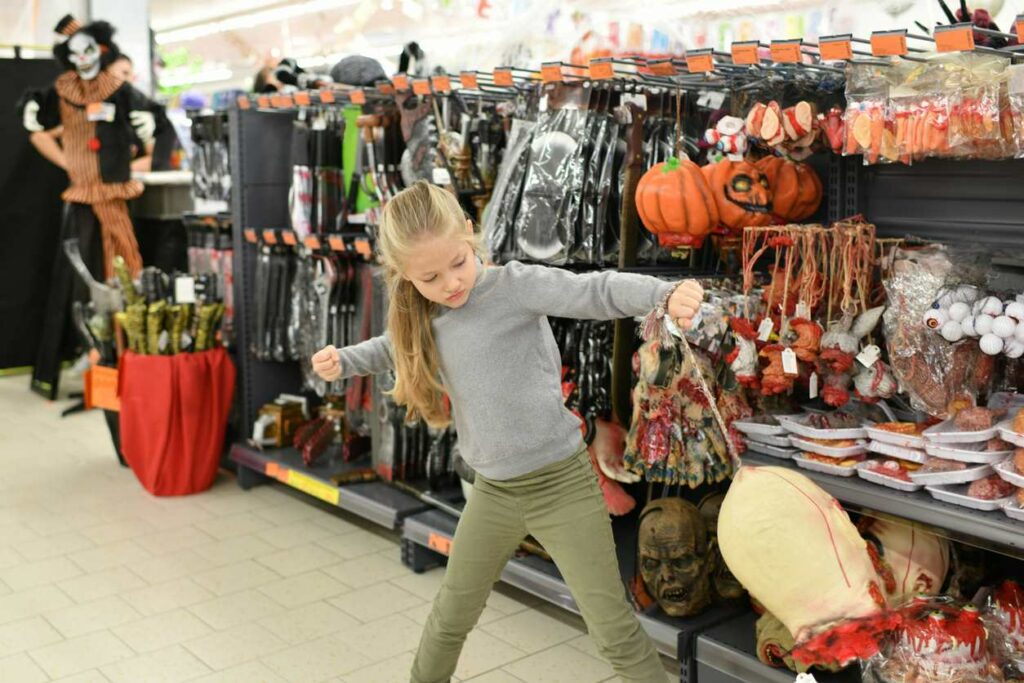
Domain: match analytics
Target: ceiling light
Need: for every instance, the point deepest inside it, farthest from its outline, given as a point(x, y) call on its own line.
point(179, 78)
point(248, 20)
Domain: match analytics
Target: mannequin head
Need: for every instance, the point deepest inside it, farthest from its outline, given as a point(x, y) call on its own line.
point(674, 556)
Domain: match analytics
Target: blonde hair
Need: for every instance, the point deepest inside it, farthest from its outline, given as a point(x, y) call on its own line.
point(422, 210)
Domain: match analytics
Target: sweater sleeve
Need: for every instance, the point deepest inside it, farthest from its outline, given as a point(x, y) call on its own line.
point(371, 357)
point(605, 295)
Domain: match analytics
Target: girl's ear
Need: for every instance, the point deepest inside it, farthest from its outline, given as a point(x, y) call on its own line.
point(469, 226)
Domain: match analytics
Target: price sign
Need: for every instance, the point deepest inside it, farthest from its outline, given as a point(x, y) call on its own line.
point(469, 81)
point(700, 61)
point(386, 88)
point(243, 102)
point(327, 96)
point(290, 238)
point(401, 82)
point(312, 242)
point(786, 51)
point(440, 544)
point(745, 52)
point(600, 70)
point(303, 99)
point(250, 235)
point(337, 244)
point(503, 77)
point(441, 83)
point(313, 487)
point(421, 86)
point(263, 102)
point(358, 96)
point(551, 72)
point(889, 43)
point(663, 68)
point(1019, 25)
point(269, 237)
point(363, 248)
point(286, 101)
point(954, 38)
point(835, 48)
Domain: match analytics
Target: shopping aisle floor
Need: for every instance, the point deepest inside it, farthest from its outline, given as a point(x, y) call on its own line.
point(102, 583)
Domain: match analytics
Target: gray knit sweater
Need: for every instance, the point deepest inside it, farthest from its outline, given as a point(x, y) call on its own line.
point(500, 363)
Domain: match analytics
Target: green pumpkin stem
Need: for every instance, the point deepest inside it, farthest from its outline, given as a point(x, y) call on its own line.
point(671, 164)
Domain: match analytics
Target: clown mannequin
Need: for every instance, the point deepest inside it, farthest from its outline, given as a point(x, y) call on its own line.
point(87, 124)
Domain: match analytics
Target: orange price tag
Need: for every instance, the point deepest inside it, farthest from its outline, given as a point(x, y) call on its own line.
point(699, 61)
point(290, 238)
point(386, 88)
point(311, 242)
point(250, 235)
point(401, 82)
point(421, 86)
point(503, 77)
point(955, 38)
point(100, 384)
point(272, 469)
point(663, 68)
point(358, 96)
point(600, 71)
point(889, 43)
point(302, 99)
point(269, 237)
point(327, 96)
point(243, 102)
point(1019, 25)
point(786, 51)
point(363, 248)
point(441, 83)
point(439, 543)
point(263, 101)
point(834, 48)
point(337, 244)
point(469, 81)
point(275, 101)
point(287, 101)
point(551, 72)
point(745, 53)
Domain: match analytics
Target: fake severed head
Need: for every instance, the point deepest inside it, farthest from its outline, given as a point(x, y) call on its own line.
point(675, 556)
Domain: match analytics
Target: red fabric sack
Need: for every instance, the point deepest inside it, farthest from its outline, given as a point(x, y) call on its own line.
point(174, 411)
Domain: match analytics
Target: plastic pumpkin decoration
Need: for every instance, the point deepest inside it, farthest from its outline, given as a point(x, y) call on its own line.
point(675, 203)
point(741, 192)
point(796, 188)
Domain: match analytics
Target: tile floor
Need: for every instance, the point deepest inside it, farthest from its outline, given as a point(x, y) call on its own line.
point(102, 583)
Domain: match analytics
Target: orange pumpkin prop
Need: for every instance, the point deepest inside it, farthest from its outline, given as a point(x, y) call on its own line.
point(796, 188)
point(741, 192)
point(675, 203)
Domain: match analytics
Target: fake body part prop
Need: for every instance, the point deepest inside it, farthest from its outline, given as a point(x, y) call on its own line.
point(914, 561)
point(724, 584)
point(675, 556)
point(839, 347)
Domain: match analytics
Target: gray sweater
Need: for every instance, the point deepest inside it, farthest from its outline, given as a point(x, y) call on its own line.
point(500, 363)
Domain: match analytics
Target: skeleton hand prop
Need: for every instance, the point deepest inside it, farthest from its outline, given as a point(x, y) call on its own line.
point(144, 124)
point(30, 117)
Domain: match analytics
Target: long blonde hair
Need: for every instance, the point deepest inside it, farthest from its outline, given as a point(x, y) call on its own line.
point(422, 210)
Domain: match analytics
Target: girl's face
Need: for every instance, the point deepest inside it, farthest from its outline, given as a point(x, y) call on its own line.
point(443, 270)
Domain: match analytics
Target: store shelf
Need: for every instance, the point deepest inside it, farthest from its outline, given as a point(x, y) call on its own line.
point(963, 523)
point(374, 501)
point(726, 653)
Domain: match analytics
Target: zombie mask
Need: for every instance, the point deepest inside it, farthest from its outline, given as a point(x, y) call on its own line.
point(84, 53)
point(725, 584)
point(674, 556)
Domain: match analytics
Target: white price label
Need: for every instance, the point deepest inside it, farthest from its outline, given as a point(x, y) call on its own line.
point(442, 176)
point(803, 310)
point(715, 99)
point(812, 388)
point(789, 362)
point(543, 104)
point(764, 330)
point(184, 290)
point(638, 99)
point(869, 355)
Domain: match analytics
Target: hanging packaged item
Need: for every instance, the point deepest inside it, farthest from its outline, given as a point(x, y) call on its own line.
point(499, 216)
point(867, 112)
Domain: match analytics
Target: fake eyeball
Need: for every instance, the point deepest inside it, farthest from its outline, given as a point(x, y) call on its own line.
point(1015, 310)
point(990, 305)
point(967, 325)
point(952, 331)
point(935, 318)
point(959, 311)
point(1013, 348)
point(991, 344)
point(983, 324)
point(966, 294)
point(1004, 327)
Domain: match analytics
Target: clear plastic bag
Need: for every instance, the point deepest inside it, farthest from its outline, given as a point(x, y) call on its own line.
point(1015, 108)
point(867, 111)
point(1003, 615)
point(499, 216)
point(974, 82)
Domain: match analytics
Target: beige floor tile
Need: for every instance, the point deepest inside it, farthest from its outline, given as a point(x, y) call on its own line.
point(21, 668)
point(385, 637)
point(294, 534)
point(240, 524)
point(236, 577)
point(342, 523)
point(250, 672)
point(165, 519)
point(10, 557)
point(118, 531)
point(496, 676)
point(224, 501)
point(48, 523)
point(298, 560)
point(483, 652)
point(509, 600)
point(90, 587)
point(309, 622)
point(585, 644)
point(304, 588)
point(317, 660)
point(31, 602)
point(176, 565)
point(80, 654)
point(173, 665)
point(164, 597)
point(5, 589)
point(236, 645)
point(161, 631)
point(26, 634)
point(13, 534)
point(369, 569)
point(174, 540)
point(92, 616)
point(53, 546)
point(92, 676)
point(287, 512)
point(388, 671)
point(236, 549)
point(425, 585)
point(236, 608)
point(558, 664)
point(110, 555)
point(356, 543)
point(374, 602)
point(39, 573)
point(531, 631)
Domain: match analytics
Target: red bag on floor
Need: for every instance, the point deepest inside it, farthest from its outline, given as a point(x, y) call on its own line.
point(174, 411)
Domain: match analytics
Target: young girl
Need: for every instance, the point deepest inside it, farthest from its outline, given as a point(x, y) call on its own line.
point(480, 336)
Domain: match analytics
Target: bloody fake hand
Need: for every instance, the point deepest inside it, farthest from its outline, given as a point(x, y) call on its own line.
point(684, 302)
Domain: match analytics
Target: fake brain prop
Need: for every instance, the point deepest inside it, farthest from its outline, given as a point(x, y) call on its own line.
point(741, 193)
point(675, 203)
point(796, 188)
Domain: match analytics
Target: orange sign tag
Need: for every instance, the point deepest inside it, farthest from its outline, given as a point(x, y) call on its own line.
point(286, 101)
point(699, 61)
point(503, 77)
point(302, 99)
point(663, 68)
point(601, 70)
point(469, 81)
point(290, 238)
point(327, 96)
point(441, 83)
point(835, 48)
point(386, 89)
point(955, 38)
point(337, 244)
point(1019, 24)
point(312, 242)
point(358, 96)
point(269, 237)
point(551, 72)
point(786, 51)
point(401, 82)
point(243, 102)
point(363, 248)
point(263, 101)
point(889, 43)
point(250, 235)
point(421, 86)
point(745, 52)
point(440, 544)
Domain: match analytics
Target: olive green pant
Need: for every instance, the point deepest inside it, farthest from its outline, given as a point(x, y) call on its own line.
point(561, 505)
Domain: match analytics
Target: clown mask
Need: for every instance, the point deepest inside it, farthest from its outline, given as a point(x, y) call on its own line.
point(84, 53)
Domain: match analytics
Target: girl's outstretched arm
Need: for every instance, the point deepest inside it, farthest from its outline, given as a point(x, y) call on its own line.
point(371, 357)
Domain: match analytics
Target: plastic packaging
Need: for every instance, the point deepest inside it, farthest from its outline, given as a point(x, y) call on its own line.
point(1003, 614)
point(908, 454)
point(823, 467)
point(828, 451)
point(895, 438)
point(499, 216)
point(1015, 107)
point(964, 453)
point(1007, 434)
point(865, 472)
point(779, 441)
point(957, 495)
point(947, 432)
point(1013, 510)
point(868, 119)
point(1008, 473)
point(798, 425)
point(964, 476)
point(773, 451)
point(753, 427)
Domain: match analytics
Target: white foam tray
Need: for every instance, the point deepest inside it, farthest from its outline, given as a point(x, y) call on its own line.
point(950, 452)
point(766, 439)
point(950, 494)
point(815, 466)
point(892, 450)
point(946, 432)
point(773, 451)
point(827, 451)
point(1008, 473)
point(901, 440)
point(751, 428)
point(1007, 434)
point(1013, 511)
point(955, 477)
point(864, 472)
point(797, 425)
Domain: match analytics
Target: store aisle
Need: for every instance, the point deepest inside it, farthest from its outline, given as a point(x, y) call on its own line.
point(102, 583)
